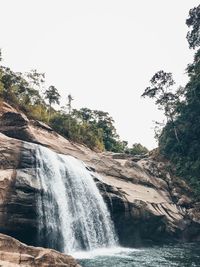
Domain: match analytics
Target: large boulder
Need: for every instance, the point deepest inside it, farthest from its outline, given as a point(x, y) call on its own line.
point(14, 253)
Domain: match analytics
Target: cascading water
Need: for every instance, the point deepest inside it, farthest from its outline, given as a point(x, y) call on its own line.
point(72, 213)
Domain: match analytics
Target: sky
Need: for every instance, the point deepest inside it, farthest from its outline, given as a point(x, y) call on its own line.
point(102, 52)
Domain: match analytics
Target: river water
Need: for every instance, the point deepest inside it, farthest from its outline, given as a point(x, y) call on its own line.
point(181, 255)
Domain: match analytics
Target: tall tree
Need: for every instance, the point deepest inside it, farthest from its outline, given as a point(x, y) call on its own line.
point(69, 105)
point(160, 89)
point(187, 160)
point(37, 81)
point(193, 22)
point(70, 99)
point(53, 97)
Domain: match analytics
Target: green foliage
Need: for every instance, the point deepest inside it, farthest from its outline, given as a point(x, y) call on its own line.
point(161, 91)
point(27, 93)
point(193, 21)
point(77, 131)
point(187, 159)
point(179, 140)
point(137, 149)
point(52, 95)
point(103, 125)
point(187, 120)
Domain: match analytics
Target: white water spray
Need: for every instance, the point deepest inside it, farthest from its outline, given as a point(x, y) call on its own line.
point(72, 213)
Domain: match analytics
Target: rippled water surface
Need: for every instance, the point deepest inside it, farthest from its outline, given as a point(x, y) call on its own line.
point(183, 255)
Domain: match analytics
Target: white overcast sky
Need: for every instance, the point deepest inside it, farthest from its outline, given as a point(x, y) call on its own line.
point(102, 52)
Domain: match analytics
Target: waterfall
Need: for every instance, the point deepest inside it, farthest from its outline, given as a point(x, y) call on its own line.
point(72, 214)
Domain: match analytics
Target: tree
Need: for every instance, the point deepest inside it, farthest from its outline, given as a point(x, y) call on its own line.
point(110, 137)
point(90, 127)
point(161, 91)
point(193, 36)
point(100, 124)
point(84, 114)
point(187, 160)
point(70, 99)
point(69, 105)
point(52, 95)
point(35, 79)
point(138, 149)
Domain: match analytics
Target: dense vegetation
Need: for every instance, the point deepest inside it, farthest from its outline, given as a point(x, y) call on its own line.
point(179, 140)
point(27, 93)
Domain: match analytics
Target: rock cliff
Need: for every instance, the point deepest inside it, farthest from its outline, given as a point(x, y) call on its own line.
point(147, 204)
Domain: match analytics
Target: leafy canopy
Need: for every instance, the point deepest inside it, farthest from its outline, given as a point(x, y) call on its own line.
point(193, 22)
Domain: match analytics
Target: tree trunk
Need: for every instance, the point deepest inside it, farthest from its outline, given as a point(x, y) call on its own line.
point(176, 132)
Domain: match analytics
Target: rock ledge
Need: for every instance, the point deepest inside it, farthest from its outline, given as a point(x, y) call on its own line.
point(14, 253)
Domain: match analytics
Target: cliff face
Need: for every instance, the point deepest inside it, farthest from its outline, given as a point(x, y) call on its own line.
point(145, 202)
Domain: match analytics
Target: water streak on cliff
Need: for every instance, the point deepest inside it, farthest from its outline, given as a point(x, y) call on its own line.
point(71, 212)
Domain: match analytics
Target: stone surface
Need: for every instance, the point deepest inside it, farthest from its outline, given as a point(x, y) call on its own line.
point(146, 203)
point(14, 253)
